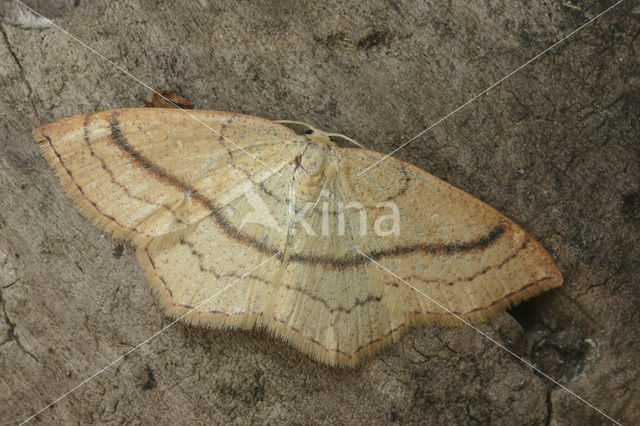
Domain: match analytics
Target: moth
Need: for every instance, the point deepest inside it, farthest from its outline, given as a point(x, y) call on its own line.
point(244, 222)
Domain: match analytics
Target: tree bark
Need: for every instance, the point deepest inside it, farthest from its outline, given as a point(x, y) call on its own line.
point(554, 146)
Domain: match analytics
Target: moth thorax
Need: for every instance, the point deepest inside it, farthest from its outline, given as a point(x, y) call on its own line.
point(312, 169)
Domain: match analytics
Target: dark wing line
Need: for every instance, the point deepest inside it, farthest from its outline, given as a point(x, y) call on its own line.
point(398, 328)
point(106, 168)
point(473, 276)
point(370, 298)
point(478, 244)
point(199, 255)
point(84, 195)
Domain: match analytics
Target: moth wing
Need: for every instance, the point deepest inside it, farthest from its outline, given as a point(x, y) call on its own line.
point(459, 255)
point(451, 255)
point(328, 299)
point(235, 181)
point(310, 301)
point(144, 173)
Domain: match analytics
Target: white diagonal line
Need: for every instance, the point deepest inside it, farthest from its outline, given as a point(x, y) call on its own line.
point(141, 82)
point(492, 86)
point(382, 159)
point(97, 373)
point(524, 361)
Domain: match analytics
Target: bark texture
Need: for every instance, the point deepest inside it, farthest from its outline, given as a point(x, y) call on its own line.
point(555, 147)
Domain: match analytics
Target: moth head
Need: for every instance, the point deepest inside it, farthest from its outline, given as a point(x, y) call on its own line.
point(321, 138)
point(310, 133)
point(333, 140)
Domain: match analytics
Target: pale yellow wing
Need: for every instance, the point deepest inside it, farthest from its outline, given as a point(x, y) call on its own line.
point(318, 294)
point(451, 246)
point(292, 250)
point(322, 294)
point(147, 172)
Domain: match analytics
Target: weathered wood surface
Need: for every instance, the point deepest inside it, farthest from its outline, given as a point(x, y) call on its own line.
point(555, 147)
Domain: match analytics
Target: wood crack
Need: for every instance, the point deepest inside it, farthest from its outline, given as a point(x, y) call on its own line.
point(20, 69)
point(12, 334)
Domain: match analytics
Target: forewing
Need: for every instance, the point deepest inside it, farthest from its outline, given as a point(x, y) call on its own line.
point(460, 256)
point(145, 173)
